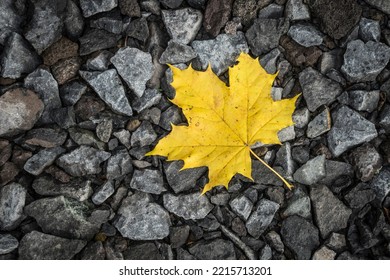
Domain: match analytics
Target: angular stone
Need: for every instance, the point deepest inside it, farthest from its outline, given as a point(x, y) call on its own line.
point(301, 117)
point(262, 175)
point(92, 7)
point(217, 249)
point(8, 172)
point(298, 204)
point(384, 118)
point(286, 134)
point(124, 137)
point(298, 55)
point(364, 61)
point(103, 192)
point(135, 67)
point(141, 219)
point(264, 34)
point(305, 35)
point(311, 172)
point(361, 100)
point(73, 21)
point(40, 246)
point(381, 185)
point(271, 11)
point(143, 251)
point(188, 206)
point(148, 180)
point(85, 137)
point(17, 58)
point(71, 92)
point(359, 196)
point(9, 20)
point(369, 30)
point(183, 24)
point(173, 4)
point(20, 109)
point(65, 70)
point(151, 98)
point(45, 137)
point(300, 236)
point(12, 201)
point(177, 53)
point(43, 83)
point(83, 161)
point(119, 164)
point(182, 180)
point(297, 10)
point(8, 243)
point(179, 235)
point(144, 135)
point(247, 10)
point(324, 253)
point(330, 213)
point(242, 206)
point(104, 130)
point(318, 90)
point(349, 130)
point(216, 15)
point(367, 162)
point(97, 39)
point(36, 164)
point(381, 5)
point(130, 8)
point(261, 217)
point(138, 29)
point(170, 116)
point(62, 49)
point(64, 217)
point(220, 52)
point(108, 86)
point(270, 60)
point(112, 23)
point(101, 62)
point(319, 125)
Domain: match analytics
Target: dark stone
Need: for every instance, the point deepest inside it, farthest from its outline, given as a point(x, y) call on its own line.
point(100, 62)
point(93, 251)
point(37, 163)
point(298, 55)
point(361, 100)
point(367, 162)
point(97, 39)
point(217, 249)
point(143, 136)
point(85, 137)
point(198, 4)
point(150, 98)
point(261, 217)
point(173, 4)
point(112, 23)
point(46, 137)
point(143, 251)
point(71, 92)
point(369, 30)
point(119, 164)
point(359, 196)
point(177, 53)
point(10, 20)
point(182, 180)
point(297, 10)
point(91, 7)
point(188, 206)
point(179, 235)
point(380, 184)
point(130, 8)
point(64, 117)
point(262, 175)
point(319, 125)
point(73, 21)
point(216, 15)
point(148, 180)
point(8, 172)
point(138, 29)
point(381, 5)
point(63, 48)
point(12, 201)
point(246, 10)
point(88, 107)
point(271, 11)
point(8, 243)
point(66, 69)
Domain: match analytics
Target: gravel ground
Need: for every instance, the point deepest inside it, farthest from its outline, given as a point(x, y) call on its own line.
point(84, 94)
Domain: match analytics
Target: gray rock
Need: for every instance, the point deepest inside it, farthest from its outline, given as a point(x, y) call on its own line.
point(297, 10)
point(335, 170)
point(273, 238)
point(301, 117)
point(349, 130)
point(286, 134)
point(381, 185)
point(138, 29)
point(188, 206)
point(130, 8)
point(262, 175)
point(319, 125)
point(264, 34)
point(362, 100)
point(92, 7)
point(64, 217)
point(367, 162)
point(384, 118)
point(85, 137)
point(44, 29)
point(183, 24)
point(364, 61)
point(93, 251)
point(144, 135)
point(40, 246)
point(97, 39)
point(80, 190)
point(311, 172)
point(150, 98)
point(317, 89)
point(8, 243)
point(141, 219)
point(369, 30)
point(170, 116)
point(65, 117)
point(104, 130)
point(324, 253)
point(220, 198)
point(331, 60)
point(330, 213)
point(124, 137)
point(43, 83)
point(71, 92)
point(73, 21)
point(179, 235)
point(148, 180)
point(336, 242)
point(135, 67)
point(111, 23)
point(265, 253)
point(284, 160)
point(18, 57)
point(359, 196)
point(101, 62)
point(182, 180)
point(177, 53)
point(242, 206)
point(12, 201)
point(217, 249)
point(261, 217)
point(270, 61)
point(271, 11)
point(119, 164)
point(143, 251)
point(83, 161)
point(299, 204)
point(110, 89)
point(300, 236)
point(198, 4)
point(381, 5)
point(103, 192)
point(36, 164)
point(9, 20)
point(305, 35)
point(20, 110)
point(220, 52)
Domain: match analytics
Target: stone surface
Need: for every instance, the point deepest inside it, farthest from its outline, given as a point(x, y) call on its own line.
point(100, 62)
point(73, 20)
point(148, 180)
point(83, 161)
point(173, 4)
point(324, 253)
point(119, 164)
point(381, 5)
point(317, 89)
point(40, 246)
point(91, 7)
point(242, 206)
point(335, 170)
point(366, 161)
point(97, 39)
point(300, 236)
point(138, 29)
point(9, 20)
point(362, 100)
point(261, 217)
point(177, 53)
point(264, 34)
point(71, 92)
point(319, 125)
point(112, 23)
point(217, 249)
point(188, 206)
point(364, 61)
point(104, 130)
point(305, 35)
point(183, 24)
point(130, 8)
point(150, 98)
point(299, 204)
point(262, 175)
point(141, 219)
point(8, 172)
point(359, 196)
point(20, 109)
point(65, 70)
point(143, 251)
point(36, 164)
point(135, 67)
point(8, 243)
point(179, 235)
point(182, 180)
point(330, 213)
point(297, 10)
point(220, 52)
point(271, 11)
point(380, 184)
point(108, 86)
point(311, 172)
point(17, 58)
point(349, 130)
point(216, 15)
point(12, 201)
point(103, 192)
point(369, 30)
point(144, 135)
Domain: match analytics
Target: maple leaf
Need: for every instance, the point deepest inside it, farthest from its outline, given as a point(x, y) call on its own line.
point(224, 122)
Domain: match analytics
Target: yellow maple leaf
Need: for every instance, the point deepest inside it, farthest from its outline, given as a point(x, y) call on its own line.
point(224, 122)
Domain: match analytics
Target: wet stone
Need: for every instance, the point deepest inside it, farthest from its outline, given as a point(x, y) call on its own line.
point(97, 39)
point(364, 61)
point(367, 162)
point(103, 193)
point(359, 196)
point(177, 53)
point(220, 52)
point(217, 249)
point(143, 136)
point(242, 206)
point(216, 15)
point(297, 10)
point(12, 201)
point(300, 236)
point(183, 24)
point(36, 164)
point(311, 172)
point(135, 67)
point(324, 253)
point(119, 164)
point(8, 243)
point(148, 180)
point(188, 206)
point(319, 125)
point(330, 213)
point(182, 180)
point(305, 35)
point(369, 30)
point(380, 184)
point(83, 161)
point(261, 217)
point(349, 130)
point(91, 7)
point(41, 246)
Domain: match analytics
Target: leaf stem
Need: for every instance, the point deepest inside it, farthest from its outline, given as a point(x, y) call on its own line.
point(273, 170)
